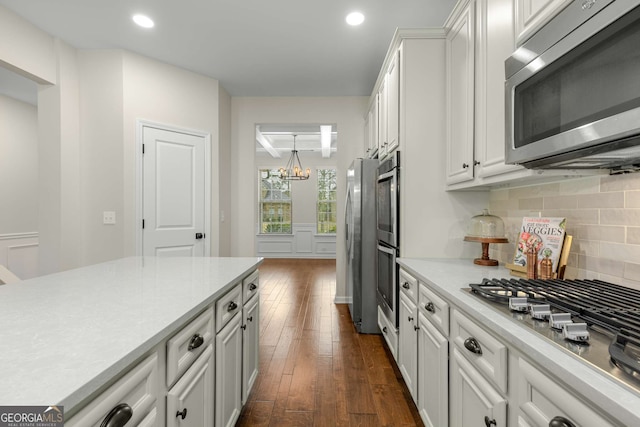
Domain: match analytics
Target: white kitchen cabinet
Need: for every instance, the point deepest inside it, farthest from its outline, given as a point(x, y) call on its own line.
point(460, 60)
point(389, 332)
point(135, 393)
point(228, 400)
point(531, 15)
point(250, 345)
point(382, 119)
point(494, 44)
point(541, 399)
point(433, 374)
point(408, 343)
point(373, 128)
point(473, 400)
point(190, 400)
point(393, 104)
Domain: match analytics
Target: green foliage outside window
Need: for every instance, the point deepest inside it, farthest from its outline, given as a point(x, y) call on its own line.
point(326, 205)
point(275, 203)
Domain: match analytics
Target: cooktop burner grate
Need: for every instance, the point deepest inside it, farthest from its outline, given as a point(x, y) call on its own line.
point(606, 305)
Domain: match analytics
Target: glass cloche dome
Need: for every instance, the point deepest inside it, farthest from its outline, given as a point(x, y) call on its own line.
point(486, 225)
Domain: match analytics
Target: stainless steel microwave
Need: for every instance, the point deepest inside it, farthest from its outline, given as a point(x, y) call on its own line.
point(573, 90)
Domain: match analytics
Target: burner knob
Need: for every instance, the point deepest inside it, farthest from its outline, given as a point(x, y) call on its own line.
point(560, 422)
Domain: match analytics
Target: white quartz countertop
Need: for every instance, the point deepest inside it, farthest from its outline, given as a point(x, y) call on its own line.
point(65, 335)
point(448, 276)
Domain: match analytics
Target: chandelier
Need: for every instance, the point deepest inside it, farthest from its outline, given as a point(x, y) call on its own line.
point(293, 171)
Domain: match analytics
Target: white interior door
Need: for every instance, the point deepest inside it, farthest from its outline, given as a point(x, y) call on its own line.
point(174, 193)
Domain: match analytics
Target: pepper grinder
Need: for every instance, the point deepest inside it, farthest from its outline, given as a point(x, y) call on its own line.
point(532, 262)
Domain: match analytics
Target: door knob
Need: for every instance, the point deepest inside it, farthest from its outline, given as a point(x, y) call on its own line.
point(200, 236)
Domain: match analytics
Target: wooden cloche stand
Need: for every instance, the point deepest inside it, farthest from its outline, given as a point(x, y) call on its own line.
point(485, 260)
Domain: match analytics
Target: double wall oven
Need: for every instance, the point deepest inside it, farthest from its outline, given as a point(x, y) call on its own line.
point(388, 186)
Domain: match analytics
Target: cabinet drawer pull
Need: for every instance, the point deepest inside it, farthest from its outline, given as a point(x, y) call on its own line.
point(489, 422)
point(118, 416)
point(472, 345)
point(252, 287)
point(406, 285)
point(430, 307)
point(196, 341)
point(232, 306)
point(560, 422)
point(182, 414)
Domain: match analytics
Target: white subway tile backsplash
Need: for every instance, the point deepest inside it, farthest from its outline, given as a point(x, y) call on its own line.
point(601, 200)
point(561, 202)
point(603, 215)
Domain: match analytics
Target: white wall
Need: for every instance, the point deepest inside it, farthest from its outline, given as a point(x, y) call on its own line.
point(346, 112)
point(18, 166)
point(224, 173)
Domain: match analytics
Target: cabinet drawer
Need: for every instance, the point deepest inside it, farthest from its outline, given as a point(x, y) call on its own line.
point(250, 286)
point(409, 285)
point(485, 352)
point(188, 344)
point(389, 332)
point(434, 308)
point(138, 390)
point(541, 398)
point(228, 305)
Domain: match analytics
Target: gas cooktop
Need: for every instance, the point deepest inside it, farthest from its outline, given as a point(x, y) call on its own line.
point(597, 321)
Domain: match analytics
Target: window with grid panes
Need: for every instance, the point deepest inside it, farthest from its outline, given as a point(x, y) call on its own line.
point(275, 203)
point(326, 204)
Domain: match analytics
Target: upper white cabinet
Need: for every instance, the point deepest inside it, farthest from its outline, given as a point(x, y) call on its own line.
point(393, 104)
point(531, 15)
point(460, 53)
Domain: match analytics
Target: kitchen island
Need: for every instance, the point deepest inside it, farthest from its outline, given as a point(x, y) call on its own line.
point(617, 402)
point(65, 337)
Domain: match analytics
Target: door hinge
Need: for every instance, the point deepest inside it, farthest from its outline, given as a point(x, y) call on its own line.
point(143, 224)
point(142, 148)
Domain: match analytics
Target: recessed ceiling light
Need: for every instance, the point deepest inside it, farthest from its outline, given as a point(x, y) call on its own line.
point(143, 21)
point(355, 18)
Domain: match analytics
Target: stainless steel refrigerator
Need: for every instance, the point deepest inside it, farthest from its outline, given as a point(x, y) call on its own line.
point(361, 241)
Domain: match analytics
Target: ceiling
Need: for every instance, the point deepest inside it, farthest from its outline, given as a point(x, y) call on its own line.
point(253, 47)
point(280, 137)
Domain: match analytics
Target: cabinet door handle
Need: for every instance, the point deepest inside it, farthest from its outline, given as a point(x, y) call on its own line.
point(252, 287)
point(196, 341)
point(118, 416)
point(384, 330)
point(410, 319)
point(472, 345)
point(416, 327)
point(250, 319)
point(430, 307)
point(489, 422)
point(560, 422)
point(232, 306)
point(476, 163)
point(464, 166)
point(182, 414)
point(243, 327)
point(406, 285)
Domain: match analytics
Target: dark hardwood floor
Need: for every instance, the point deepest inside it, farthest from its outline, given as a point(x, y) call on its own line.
point(315, 370)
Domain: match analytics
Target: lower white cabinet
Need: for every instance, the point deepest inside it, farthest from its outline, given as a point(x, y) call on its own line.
point(228, 400)
point(433, 374)
point(408, 343)
point(190, 400)
point(133, 397)
point(473, 400)
point(389, 332)
point(540, 400)
point(250, 345)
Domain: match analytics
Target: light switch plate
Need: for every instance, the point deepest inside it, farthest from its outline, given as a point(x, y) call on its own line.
point(108, 217)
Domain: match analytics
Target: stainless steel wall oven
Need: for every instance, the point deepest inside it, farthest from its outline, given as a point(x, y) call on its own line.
point(388, 227)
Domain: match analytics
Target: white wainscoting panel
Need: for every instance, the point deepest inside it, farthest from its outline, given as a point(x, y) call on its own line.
point(303, 242)
point(19, 253)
